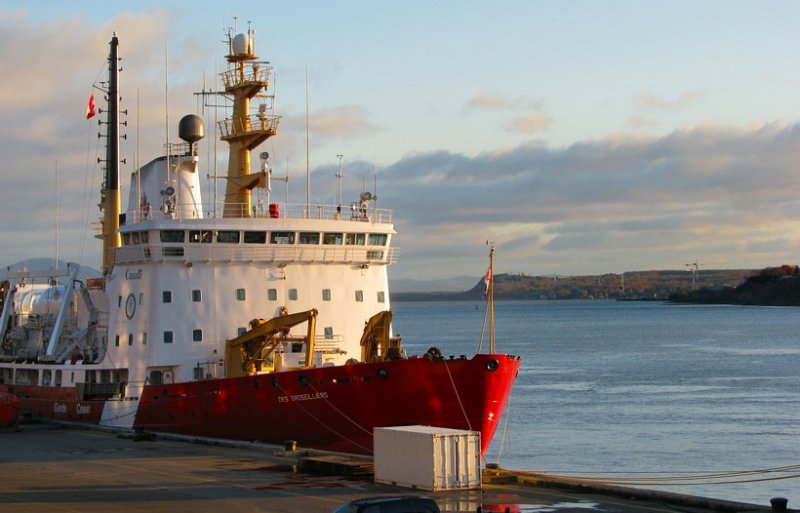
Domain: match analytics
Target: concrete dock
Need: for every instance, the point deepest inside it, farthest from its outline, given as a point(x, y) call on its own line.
point(57, 468)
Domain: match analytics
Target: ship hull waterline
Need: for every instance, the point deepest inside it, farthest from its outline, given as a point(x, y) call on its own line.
point(326, 408)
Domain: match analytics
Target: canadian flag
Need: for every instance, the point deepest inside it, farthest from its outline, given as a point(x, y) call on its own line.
point(90, 112)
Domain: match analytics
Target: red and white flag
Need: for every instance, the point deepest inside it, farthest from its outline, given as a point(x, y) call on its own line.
point(90, 112)
point(486, 281)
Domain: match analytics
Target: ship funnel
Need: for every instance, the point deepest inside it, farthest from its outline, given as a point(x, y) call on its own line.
point(191, 129)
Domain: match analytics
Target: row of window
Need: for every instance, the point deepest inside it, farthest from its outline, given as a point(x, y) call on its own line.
point(258, 237)
point(241, 295)
point(197, 336)
point(272, 295)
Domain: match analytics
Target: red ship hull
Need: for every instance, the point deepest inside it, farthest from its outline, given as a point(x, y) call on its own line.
point(328, 408)
point(9, 409)
point(335, 408)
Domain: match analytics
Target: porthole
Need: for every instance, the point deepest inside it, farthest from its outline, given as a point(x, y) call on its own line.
point(382, 373)
point(492, 365)
point(303, 379)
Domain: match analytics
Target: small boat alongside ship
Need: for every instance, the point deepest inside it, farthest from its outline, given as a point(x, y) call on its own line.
point(234, 321)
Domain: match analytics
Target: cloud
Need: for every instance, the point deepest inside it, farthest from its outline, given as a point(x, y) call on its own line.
point(527, 113)
point(649, 101)
point(613, 204)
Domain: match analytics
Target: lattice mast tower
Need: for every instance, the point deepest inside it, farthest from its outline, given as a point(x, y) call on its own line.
point(245, 79)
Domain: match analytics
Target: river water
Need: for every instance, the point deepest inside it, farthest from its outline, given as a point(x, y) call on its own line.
point(640, 389)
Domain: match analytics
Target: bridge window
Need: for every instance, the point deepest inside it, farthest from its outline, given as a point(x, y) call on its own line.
point(308, 238)
point(197, 296)
point(328, 332)
point(381, 296)
point(200, 236)
point(126, 239)
point(281, 237)
point(255, 237)
point(326, 294)
point(173, 235)
point(378, 239)
point(272, 294)
point(359, 296)
point(197, 335)
point(355, 239)
point(293, 294)
point(228, 236)
point(241, 331)
point(116, 341)
point(168, 336)
point(135, 238)
point(130, 339)
point(241, 294)
point(166, 296)
point(332, 239)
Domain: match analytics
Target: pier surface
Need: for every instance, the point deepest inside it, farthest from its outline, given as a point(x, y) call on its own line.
point(53, 468)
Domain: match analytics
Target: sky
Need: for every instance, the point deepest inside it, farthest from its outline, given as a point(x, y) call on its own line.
point(579, 137)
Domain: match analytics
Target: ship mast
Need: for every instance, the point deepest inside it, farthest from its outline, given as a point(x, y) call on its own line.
point(111, 204)
point(243, 132)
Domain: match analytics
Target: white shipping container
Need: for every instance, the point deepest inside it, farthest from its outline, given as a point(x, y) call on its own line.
point(428, 458)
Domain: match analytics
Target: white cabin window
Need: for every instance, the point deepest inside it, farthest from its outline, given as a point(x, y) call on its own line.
point(228, 237)
point(173, 235)
point(381, 296)
point(200, 236)
point(332, 238)
point(130, 339)
point(326, 294)
point(293, 294)
point(197, 296)
point(255, 237)
point(281, 238)
point(377, 239)
point(355, 239)
point(119, 302)
point(168, 336)
point(241, 294)
point(166, 296)
point(359, 296)
point(328, 332)
point(308, 238)
point(141, 298)
point(197, 335)
point(144, 338)
point(272, 294)
point(116, 341)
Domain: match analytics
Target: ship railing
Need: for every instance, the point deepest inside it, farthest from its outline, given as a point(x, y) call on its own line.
point(262, 210)
point(254, 123)
point(256, 73)
point(256, 253)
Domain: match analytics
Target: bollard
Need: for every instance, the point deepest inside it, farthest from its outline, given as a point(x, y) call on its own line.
point(779, 504)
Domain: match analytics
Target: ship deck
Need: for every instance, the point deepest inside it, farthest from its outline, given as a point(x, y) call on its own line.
point(53, 467)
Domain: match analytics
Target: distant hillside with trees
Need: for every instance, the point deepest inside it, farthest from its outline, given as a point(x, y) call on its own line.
point(773, 286)
point(635, 285)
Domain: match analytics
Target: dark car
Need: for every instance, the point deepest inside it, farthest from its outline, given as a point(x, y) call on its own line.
point(406, 504)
